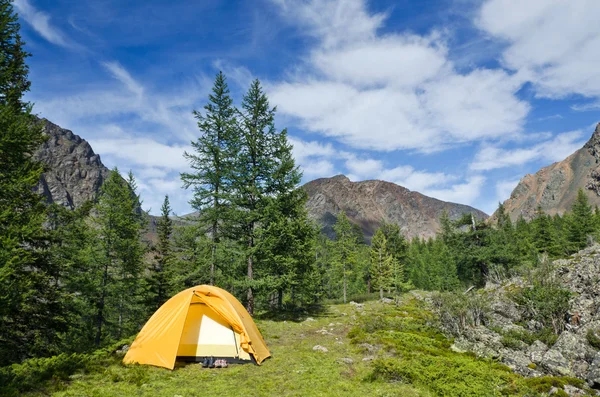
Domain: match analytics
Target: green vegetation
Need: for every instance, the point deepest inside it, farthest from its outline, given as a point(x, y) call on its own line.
point(405, 355)
point(593, 337)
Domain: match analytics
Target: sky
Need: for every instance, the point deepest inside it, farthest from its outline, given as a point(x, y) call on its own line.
point(456, 99)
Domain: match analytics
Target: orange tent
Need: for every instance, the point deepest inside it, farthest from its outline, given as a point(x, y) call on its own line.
point(198, 322)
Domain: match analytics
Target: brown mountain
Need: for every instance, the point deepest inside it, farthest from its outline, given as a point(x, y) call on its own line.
point(555, 187)
point(75, 173)
point(370, 203)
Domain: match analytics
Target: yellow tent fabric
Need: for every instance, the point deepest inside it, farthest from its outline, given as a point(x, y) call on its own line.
point(158, 341)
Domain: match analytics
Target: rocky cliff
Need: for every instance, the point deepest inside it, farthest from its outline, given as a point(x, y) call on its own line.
point(576, 350)
point(370, 203)
point(555, 187)
point(75, 173)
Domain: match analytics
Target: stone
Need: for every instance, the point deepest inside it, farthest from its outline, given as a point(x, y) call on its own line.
point(573, 391)
point(368, 358)
point(319, 348)
point(571, 346)
point(122, 350)
point(536, 351)
point(346, 360)
point(368, 347)
point(556, 363)
point(387, 300)
point(516, 360)
point(309, 319)
point(593, 375)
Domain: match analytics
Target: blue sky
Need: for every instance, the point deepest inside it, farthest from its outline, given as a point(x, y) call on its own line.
point(457, 99)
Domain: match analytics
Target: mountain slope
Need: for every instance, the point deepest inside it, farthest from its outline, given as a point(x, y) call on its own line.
point(74, 172)
point(554, 187)
point(370, 203)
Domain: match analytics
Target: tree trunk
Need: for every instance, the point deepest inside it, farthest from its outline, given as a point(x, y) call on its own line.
point(250, 303)
point(344, 269)
point(100, 314)
point(380, 292)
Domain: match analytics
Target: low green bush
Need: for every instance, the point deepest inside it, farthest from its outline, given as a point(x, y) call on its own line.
point(593, 337)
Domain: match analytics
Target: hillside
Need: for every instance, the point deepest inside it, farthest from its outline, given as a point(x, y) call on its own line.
point(372, 348)
point(554, 187)
point(370, 203)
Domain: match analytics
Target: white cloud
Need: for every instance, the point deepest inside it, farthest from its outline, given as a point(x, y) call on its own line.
point(555, 43)
point(394, 91)
point(143, 152)
point(121, 74)
point(40, 21)
point(464, 193)
point(504, 188)
point(563, 145)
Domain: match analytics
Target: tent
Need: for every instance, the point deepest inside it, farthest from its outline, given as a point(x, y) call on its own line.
point(202, 321)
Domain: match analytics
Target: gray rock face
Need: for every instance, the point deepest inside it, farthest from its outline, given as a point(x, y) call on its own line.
point(75, 173)
point(555, 187)
point(571, 354)
point(370, 203)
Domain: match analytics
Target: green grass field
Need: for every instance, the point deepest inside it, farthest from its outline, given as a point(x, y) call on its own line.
point(405, 356)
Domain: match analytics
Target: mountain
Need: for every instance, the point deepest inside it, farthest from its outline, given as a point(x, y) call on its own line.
point(370, 203)
point(74, 173)
point(555, 187)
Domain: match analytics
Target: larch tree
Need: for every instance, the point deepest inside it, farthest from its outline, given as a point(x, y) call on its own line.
point(161, 271)
point(344, 250)
point(211, 163)
point(381, 263)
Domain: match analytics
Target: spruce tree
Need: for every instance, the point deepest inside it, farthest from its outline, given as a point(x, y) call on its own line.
point(118, 306)
point(345, 251)
point(254, 181)
point(161, 271)
point(381, 263)
point(211, 163)
point(581, 224)
point(31, 314)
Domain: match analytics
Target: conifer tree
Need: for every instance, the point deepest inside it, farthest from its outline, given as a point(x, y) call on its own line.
point(381, 263)
point(31, 315)
point(118, 306)
point(161, 271)
point(211, 163)
point(581, 224)
point(345, 250)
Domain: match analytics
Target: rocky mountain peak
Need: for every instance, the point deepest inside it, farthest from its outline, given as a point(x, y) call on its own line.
point(368, 204)
point(554, 188)
point(74, 172)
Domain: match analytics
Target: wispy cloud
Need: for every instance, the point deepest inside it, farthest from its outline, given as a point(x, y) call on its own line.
point(392, 91)
point(40, 21)
point(558, 148)
point(121, 74)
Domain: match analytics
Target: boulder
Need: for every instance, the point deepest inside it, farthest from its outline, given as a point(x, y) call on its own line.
point(556, 363)
point(536, 351)
point(593, 375)
point(319, 348)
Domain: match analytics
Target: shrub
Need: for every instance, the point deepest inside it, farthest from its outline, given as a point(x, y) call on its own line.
point(456, 310)
point(593, 337)
point(546, 304)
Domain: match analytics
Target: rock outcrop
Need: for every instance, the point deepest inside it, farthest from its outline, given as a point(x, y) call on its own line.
point(370, 203)
point(75, 173)
point(572, 354)
point(555, 187)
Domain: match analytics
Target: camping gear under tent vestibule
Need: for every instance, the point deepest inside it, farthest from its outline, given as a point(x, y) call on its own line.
point(202, 321)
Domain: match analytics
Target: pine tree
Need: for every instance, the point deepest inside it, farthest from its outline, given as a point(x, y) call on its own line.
point(345, 250)
point(161, 272)
point(254, 182)
point(31, 315)
point(581, 224)
point(211, 162)
point(119, 224)
point(381, 263)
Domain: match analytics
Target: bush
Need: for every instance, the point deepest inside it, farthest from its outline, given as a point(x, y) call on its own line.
point(593, 337)
point(456, 310)
point(546, 304)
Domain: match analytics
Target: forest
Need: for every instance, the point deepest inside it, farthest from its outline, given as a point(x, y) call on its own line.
point(75, 281)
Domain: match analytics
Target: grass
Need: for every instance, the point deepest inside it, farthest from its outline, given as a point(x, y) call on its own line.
point(407, 356)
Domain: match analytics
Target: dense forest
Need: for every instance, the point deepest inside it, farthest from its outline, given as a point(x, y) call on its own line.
point(74, 281)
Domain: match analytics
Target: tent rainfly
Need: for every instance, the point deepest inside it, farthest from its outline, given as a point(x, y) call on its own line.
point(202, 321)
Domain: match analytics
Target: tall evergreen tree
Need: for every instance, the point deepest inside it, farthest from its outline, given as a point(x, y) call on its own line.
point(254, 183)
point(161, 271)
point(31, 314)
point(381, 263)
point(211, 163)
point(345, 251)
point(581, 223)
point(118, 306)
